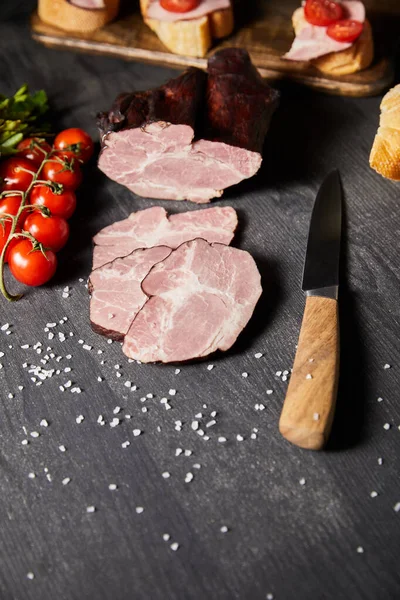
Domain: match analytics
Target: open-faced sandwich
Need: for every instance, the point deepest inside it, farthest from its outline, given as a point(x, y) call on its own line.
point(78, 15)
point(335, 37)
point(188, 27)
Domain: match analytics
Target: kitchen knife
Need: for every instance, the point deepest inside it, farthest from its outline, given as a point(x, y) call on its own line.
point(309, 405)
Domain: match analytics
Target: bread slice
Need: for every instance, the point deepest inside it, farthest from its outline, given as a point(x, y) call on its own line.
point(359, 56)
point(62, 14)
point(193, 37)
point(385, 152)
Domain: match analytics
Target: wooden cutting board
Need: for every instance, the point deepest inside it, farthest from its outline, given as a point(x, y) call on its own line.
point(265, 31)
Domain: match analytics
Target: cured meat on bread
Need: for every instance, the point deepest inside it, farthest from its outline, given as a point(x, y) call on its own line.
point(313, 44)
point(78, 15)
point(385, 152)
point(153, 227)
point(200, 298)
point(192, 137)
point(190, 33)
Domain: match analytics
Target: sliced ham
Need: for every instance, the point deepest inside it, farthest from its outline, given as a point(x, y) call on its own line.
point(200, 298)
point(153, 227)
point(116, 293)
point(194, 136)
point(156, 11)
point(312, 41)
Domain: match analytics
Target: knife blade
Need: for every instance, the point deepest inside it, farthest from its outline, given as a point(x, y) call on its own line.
point(309, 406)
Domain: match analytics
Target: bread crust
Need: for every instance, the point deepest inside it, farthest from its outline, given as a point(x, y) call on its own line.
point(359, 56)
point(191, 37)
point(62, 14)
point(385, 152)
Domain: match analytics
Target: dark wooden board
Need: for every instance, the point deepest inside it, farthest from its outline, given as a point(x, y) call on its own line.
point(297, 542)
point(266, 32)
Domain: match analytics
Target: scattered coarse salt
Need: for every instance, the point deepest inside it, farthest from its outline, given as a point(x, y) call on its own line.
point(239, 438)
point(125, 444)
point(150, 396)
point(177, 371)
point(396, 507)
point(65, 295)
point(90, 509)
point(258, 355)
point(222, 439)
point(309, 376)
point(5, 326)
point(195, 425)
point(109, 341)
point(48, 476)
point(302, 481)
point(136, 432)
point(316, 416)
point(86, 347)
point(380, 461)
point(270, 597)
point(35, 434)
point(112, 486)
point(128, 384)
point(197, 466)
point(30, 575)
point(189, 477)
point(116, 410)
point(245, 375)
point(62, 448)
point(270, 392)
point(25, 442)
point(10, 395)
point(174, 546)
point(99, 378)
point(253, 436)
point(284, 377)
point(139, 509)
point(178, 451)
point(373, 494)
point(115, 422)
point(224, 529)
point(31, 475)
point(213, 414)
point(188, 453)
point(210, 367)
point(117, 367)
point(166, 537)
point(278, 373)
point(44, 423)
point(172, 392)
point(386, 426)
point(360, 550)
point(387, 366)
point(211, 423)
point(379, 399)
point(166, 475)
point(199, 416)
point(79, 419)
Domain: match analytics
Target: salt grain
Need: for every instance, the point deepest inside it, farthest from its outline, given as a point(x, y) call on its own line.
point(112, 486)
point(239, 438)
point(195, 425)
point(136, 432)
point(258, 355)
point(79, 419)
point(174, 546)
point(31, 475)
point(386, 426)
point(224, 529)
point(62, 448)
point(115, 422)
point(139, 509)
point(302, 481)
point(90, 509)
point(30, 575)
point(396, 507)
point(35, 434)
point(309, 376)
point(210, 367)
point(245, 375)
point(43, 423)
point(373, 494)
point(166, 475)
point(222, 439)
point(166, 537)
point(387, 366)
point(125, 444)
point(360, 550)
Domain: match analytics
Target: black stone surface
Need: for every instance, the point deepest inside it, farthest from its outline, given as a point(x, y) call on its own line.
point(289, 540)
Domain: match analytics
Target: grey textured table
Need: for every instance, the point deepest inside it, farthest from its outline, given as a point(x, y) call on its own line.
point(325, 538)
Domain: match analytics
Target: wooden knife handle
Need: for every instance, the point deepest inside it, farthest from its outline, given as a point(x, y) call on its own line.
point(309, 405)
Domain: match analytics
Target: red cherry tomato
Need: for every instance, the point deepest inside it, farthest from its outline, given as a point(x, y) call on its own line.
point(179, 6)
point(5, 230)
point(63, 168)
point(16, 174)
point(77, 141)
point(52, 232)
point(322, 12)
point(34, 149)
point(346, 30)
point(31, 265)
point(10, 205)
point(62, 204)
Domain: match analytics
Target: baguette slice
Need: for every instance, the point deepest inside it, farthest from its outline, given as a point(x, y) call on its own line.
point(385, 152)
point(192, 37)
point(359, 56)
point(62, 14)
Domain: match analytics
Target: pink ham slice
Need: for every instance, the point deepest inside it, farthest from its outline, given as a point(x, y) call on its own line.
point(153, 227)
point(312, 41)
point(116, 293)
point(200, 298)
point(156, 11)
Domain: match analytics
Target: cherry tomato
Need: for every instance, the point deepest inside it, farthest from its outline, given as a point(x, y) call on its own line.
point(322, 12)
point(13, 172)
point(34, 149)
point(77, 141)
point(62, 204)
point(52, 232)
point(5, 229)
point(63, 168)
point(31, 265)
point(179, 6)
point(346, 30)
point(10, 205)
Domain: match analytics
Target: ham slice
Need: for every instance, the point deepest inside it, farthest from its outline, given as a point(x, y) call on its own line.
point(192, 137)
point(200, 298)
point(116, 293)
point(156, 11)
point(153, 227)
point(312, 41)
